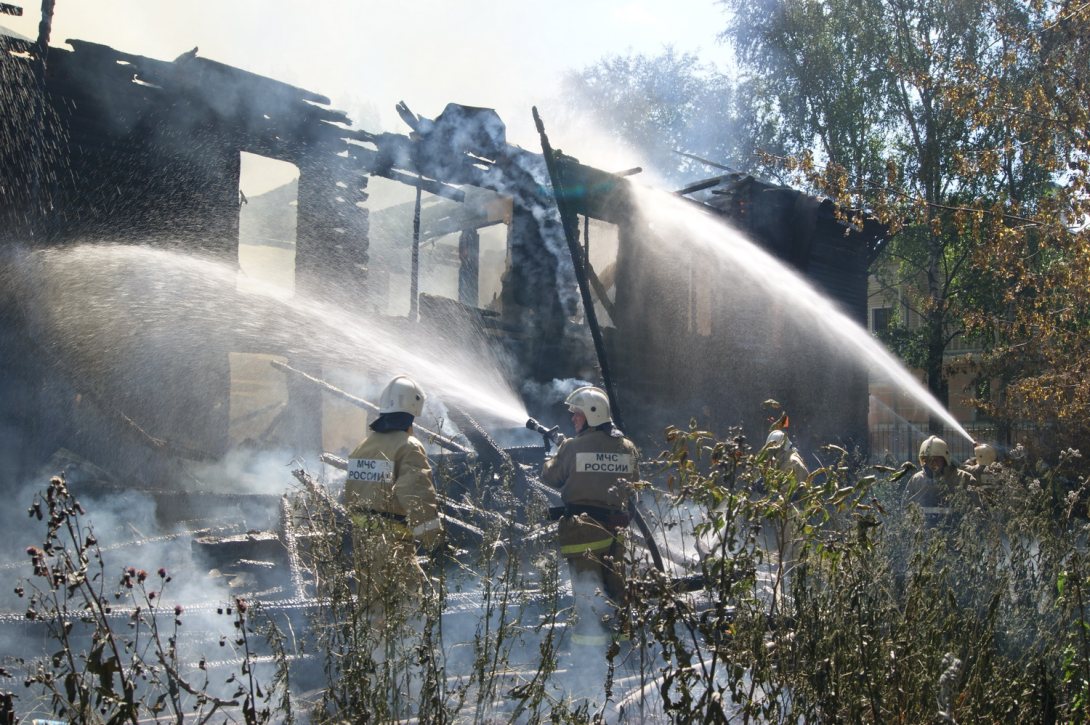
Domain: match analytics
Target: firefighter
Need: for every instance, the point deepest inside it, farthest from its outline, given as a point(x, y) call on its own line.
point(984, 466)
point(934, 485)
point(984, 455)
point(594, 471)
point(778, 536)
point(389, 492)
point(786, 456)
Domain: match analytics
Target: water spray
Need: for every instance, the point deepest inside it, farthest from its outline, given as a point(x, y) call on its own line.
point(675, 218)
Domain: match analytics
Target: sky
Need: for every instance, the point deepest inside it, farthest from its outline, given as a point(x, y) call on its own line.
point(366, 55)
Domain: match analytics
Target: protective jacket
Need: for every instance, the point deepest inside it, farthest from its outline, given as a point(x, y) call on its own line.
point(988, 476)
point(933, 493)
point(594, 469)
point(793, 463)
point(389, 476)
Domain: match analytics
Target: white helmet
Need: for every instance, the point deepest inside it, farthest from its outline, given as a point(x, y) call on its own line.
point(985, 454)
point(402, 395)
point(778, 439)
point(592, 403)
point(934, 446)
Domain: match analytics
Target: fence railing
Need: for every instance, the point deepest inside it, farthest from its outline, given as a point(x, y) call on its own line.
point(894, 443)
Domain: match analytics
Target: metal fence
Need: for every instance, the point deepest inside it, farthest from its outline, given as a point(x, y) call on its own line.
point(894, 443)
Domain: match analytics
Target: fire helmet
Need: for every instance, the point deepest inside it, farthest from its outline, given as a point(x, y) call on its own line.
point(778, 439)
point(934, 446)
point(402, 395)
point(592, 403)
point(985, 454)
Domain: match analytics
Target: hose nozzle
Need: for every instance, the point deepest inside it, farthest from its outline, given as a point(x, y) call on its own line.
point(550, 435)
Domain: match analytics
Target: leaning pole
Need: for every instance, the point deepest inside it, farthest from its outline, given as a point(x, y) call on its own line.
point(567, 220)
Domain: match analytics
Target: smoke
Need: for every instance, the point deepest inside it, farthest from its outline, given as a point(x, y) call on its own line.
point(242, 472)
point(544, 396)
point(131, 533)
point(153, 562)
point(581, 135)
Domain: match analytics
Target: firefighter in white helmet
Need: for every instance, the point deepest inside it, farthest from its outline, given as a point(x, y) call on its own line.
point(594, 471)
point(984, 454)
point(389, 491)
point(778, 537)
point(786, 456)
point(933, 486)
point(984, 466)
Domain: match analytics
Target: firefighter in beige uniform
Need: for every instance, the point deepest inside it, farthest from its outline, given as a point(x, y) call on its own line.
point(934, 486)
point(778, 536)
point(984, 466)
point(594, 472)
point(389, 492)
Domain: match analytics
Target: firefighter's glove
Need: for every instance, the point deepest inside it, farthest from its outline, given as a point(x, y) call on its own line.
point(557, 440)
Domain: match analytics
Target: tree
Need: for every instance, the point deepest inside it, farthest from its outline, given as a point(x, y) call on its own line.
point(818, 68)
point(1036, 252)
point(874, 92)
point(670, 102)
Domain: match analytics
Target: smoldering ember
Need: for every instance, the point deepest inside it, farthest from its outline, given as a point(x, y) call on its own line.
point(186, 370)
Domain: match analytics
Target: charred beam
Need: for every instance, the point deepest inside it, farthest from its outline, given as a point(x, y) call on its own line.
point(432, 187)
point(704, 161)
point(287, 534)
point(700, 185)
point(491, 454)
point(340, 513)
point(45, 28)
point(569, 222)
point(428, 435)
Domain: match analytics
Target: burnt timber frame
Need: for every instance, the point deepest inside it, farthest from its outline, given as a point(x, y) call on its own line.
point(149, 149)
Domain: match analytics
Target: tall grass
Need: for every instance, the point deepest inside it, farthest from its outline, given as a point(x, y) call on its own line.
point(825, 599)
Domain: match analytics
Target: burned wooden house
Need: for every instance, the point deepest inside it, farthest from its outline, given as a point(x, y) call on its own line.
point(134, 357)
point(102, 146)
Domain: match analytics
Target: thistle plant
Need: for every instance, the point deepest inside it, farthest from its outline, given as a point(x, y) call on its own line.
point(119, 657)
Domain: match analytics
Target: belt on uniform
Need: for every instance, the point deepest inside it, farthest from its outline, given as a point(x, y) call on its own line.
point(381, 514)
point(605, 516)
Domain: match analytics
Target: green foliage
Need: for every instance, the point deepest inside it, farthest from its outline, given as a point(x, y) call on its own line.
point(877, 616)
point(380, 631)
point(909, 344)
point(964, 127)
point(819, 67)
point(870, 95)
